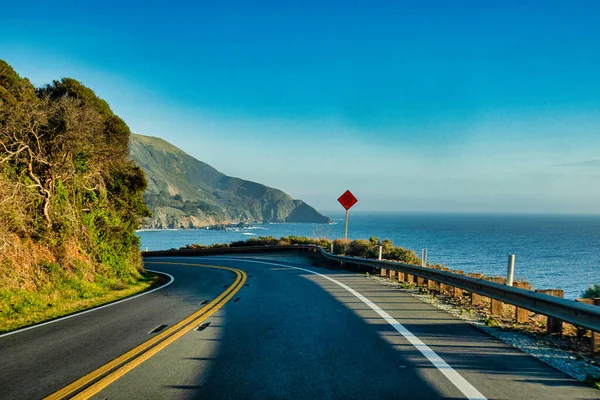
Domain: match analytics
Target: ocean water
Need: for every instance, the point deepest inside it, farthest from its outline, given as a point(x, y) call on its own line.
point(552, 252)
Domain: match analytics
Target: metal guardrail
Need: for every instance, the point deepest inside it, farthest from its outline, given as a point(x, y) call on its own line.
point(578, 314)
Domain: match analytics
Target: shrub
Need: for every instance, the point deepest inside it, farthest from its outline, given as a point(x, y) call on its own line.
point(360, 248)
point(340, 245)
point(357, 248)
point(592, 292)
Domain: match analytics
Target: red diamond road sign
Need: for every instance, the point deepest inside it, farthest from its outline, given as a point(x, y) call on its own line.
point(347, 200)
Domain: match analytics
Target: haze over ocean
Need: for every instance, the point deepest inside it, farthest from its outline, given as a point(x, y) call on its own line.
point(552, 251)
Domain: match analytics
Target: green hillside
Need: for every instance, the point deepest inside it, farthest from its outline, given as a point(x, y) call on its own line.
point(184, 192)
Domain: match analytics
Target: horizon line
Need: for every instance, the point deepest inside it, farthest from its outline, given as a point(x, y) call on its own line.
point(524, 213)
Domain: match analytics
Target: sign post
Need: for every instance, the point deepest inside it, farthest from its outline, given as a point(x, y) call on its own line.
point(347, 200)
point(346, 229)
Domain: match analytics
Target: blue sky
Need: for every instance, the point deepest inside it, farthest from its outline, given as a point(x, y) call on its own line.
point(414, 106)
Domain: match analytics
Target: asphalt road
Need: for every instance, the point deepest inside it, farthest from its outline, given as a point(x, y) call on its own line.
point(290, 333)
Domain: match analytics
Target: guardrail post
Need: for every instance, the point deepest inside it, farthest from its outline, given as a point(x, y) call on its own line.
point(456, 291)
point(391, 274)
point(476, 299)
point(554, 325)
point(596, 336)
point(595, 339)
point(432, 285)
point(424, 258)
point(522, 314)
point(420, 281)
point(383, 272)
point(401, 276)
point(496, 306)
point(510, 273)
point(442, 286)
point(410, 279)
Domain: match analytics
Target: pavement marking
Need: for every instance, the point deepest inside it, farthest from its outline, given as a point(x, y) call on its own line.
point(77, 314)
point(110, 372)
point(468, 390)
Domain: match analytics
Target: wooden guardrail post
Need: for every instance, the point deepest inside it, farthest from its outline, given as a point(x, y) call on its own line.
point(391, 274)
point(443, 286)
point(554, 325)
point(522, 314)
point(432, 285)
point(476, 299)
point(410, 279)
point(595, 339)
point(420, 281)
point(401, 276)
point(596, 336)
point(457, 292)
point(383, 272)
point(496, 306)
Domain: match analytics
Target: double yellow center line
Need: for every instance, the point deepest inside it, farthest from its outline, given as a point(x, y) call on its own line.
point(97, 380)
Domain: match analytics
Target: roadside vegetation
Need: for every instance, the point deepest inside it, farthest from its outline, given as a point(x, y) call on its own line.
point(70, 201)
point(593, 292)
point(357, 248)
point(68, 294)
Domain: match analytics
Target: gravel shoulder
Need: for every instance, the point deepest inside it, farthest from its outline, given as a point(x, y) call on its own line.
point(538, 346)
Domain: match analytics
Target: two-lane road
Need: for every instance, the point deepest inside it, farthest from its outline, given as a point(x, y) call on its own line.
point(291, 331)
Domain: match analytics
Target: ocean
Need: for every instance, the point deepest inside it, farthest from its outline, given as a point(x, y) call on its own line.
point(551, 252)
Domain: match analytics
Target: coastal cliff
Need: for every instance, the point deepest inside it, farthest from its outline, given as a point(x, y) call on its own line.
point(184, 192)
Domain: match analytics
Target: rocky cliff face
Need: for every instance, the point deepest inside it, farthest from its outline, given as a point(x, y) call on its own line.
point(186, 193)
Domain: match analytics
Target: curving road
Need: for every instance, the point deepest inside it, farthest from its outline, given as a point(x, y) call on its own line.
point(291, 331)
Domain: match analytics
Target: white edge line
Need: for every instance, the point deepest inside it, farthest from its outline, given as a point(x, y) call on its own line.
point(92, 309)
point(453, 376)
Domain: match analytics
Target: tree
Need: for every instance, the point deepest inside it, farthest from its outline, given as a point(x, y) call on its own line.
point(65, 170)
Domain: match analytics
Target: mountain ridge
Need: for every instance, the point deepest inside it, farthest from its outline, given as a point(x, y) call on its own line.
point(184, 192)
